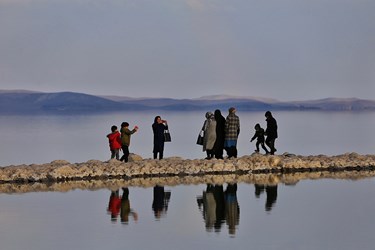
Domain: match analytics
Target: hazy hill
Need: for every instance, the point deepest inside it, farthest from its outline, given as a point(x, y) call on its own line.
point(24, 102)
point(29, 102)
point(203, 103)
point(338, 104)
point(247, 103)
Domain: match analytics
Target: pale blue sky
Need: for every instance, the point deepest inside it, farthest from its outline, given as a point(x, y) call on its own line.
point(283, 49)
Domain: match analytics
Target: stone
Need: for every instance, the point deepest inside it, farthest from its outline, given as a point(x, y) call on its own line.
point(134, 157)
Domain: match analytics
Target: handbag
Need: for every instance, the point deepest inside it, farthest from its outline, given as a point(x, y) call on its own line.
point(167, 136)
point(200, 138)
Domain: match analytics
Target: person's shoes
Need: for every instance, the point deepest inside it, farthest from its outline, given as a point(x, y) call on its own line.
point(256, 151)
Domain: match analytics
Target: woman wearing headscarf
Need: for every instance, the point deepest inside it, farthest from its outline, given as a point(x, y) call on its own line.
point(209, 128)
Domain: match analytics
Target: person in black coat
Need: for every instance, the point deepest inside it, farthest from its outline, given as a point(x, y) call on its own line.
point(271, 132)
point(160, 201)
point(220, 134)
point(158, 128)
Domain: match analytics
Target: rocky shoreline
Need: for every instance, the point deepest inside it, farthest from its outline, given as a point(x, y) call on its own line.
point(255, 164)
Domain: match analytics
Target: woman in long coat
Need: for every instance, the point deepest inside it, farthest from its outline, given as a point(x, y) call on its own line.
point(209, 128)
point(158, 128)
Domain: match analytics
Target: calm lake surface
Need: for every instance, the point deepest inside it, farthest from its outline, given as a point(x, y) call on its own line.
point(320, 214)
point(78, 138)
point(312, 214)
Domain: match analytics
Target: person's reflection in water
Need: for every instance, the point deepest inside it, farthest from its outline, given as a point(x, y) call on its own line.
point(271, 191)
point(259, 189)
point(232, 209)
point(218, 207)
point(126, 210)
point(160, 201)
point(209, 207)
point(114, 205)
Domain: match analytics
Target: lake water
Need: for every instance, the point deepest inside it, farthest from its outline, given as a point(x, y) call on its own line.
point(311, 214)
point(319, 214)
point(42, 139)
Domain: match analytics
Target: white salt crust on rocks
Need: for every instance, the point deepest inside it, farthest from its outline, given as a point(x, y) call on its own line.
point(61, 170)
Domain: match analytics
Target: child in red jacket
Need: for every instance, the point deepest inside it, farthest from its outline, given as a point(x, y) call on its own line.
point(114, 142)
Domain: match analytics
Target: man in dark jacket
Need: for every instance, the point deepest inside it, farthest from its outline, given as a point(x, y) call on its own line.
point(271, 132)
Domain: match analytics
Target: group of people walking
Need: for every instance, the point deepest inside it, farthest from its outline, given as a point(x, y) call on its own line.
point(221, 134)
point(217, 134)
point(271, 133)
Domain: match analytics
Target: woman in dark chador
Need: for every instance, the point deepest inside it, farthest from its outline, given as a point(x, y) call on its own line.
point(158, 128)
point(220, 134)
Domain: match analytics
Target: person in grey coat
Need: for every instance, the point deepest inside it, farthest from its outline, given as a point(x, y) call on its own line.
point(209, 128)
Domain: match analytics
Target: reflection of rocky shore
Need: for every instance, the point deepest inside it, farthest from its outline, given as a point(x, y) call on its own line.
point(114, 184)
point(253, 169)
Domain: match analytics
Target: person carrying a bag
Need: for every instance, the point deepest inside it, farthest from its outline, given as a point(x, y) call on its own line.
point(209, 128)
point(158, 128)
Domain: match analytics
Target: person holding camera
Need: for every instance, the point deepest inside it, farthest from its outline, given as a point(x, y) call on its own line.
point(158, 128)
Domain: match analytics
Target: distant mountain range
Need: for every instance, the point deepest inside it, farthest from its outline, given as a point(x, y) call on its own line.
point(31, 102)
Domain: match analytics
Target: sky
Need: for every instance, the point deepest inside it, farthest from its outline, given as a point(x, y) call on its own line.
point(282, 49)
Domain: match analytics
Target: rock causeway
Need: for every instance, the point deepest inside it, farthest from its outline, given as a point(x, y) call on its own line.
point(137, 167)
